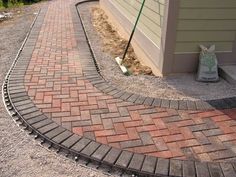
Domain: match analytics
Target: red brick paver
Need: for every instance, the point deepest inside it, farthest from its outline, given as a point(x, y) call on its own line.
point(55, 82)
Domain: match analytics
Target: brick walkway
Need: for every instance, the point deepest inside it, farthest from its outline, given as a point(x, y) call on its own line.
point(56, 83)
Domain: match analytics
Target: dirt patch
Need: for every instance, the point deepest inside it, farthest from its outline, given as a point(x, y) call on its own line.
point(115, 45)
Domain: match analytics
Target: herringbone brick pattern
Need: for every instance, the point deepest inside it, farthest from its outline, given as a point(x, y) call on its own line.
point(55, 82)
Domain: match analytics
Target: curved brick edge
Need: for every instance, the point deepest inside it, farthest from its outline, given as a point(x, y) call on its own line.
point(112, 89)
point(22, 109)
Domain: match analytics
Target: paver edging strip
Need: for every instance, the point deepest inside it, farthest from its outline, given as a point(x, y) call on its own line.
point(87, 149)
point(99, 81)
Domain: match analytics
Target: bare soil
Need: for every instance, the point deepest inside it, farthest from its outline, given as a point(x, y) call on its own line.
point(115, 45)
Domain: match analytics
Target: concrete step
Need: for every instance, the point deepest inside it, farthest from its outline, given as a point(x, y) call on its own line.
point(228, 72)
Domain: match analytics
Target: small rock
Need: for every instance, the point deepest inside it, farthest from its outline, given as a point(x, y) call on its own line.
point(148, 71)
point(136, 62)
point(7, 15)
point(92, 175)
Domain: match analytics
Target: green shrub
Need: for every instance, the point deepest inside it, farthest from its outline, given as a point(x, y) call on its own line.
point(13, 3)
point(5, 3)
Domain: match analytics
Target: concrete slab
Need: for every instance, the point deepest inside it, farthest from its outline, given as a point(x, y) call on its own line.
point(228, 72)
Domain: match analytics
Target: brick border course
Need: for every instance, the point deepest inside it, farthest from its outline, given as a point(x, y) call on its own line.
point(23, 109)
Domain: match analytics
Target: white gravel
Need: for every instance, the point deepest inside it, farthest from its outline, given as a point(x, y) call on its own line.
point(179, 87)
point(22, 156)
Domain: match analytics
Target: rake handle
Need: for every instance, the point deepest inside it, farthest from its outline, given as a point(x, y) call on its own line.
point(136, 23)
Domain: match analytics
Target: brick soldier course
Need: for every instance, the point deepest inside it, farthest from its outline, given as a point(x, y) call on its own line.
point(55, 89)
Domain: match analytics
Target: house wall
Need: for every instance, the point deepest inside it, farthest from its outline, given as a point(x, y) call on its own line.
point(151, 19)
point(170, 31)
point(147, 38)
point(204, 22)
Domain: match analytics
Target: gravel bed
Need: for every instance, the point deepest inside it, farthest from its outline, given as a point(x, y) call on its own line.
point(20, 154)
point(179, 87)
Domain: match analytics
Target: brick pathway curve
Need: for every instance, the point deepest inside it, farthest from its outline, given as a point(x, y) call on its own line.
point(56, 83)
